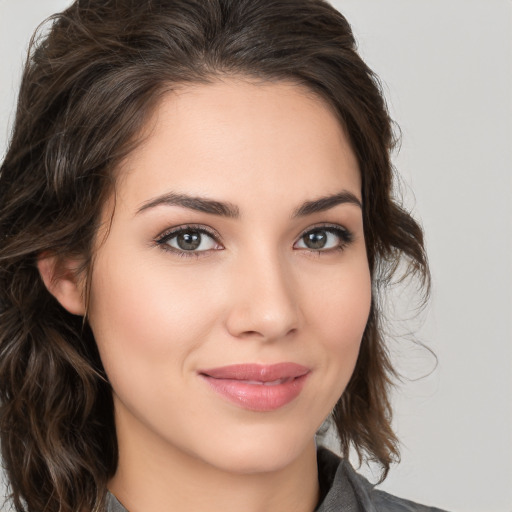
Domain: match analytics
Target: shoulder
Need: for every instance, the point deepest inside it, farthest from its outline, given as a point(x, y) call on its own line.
point(385, 502)
point(367, 496)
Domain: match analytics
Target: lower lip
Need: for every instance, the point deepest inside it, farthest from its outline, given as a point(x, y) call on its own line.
point(257, 397)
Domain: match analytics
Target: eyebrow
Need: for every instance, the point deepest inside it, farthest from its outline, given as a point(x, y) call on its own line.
point(225, 209)
point(326, 203)
point(199, 204)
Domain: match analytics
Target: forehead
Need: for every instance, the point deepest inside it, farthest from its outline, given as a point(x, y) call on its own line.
point(235, 137)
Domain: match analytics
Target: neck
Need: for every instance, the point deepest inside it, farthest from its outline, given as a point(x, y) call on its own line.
point(152, 477)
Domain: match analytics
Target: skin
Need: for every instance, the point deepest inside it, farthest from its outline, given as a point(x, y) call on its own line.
point(256, 294)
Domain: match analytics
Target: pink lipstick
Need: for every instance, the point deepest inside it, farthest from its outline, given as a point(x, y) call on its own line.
point(258, 387)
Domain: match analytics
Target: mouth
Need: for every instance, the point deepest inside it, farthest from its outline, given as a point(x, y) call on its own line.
point(258, 387)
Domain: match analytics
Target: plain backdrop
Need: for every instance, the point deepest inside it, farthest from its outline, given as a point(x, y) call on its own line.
point(446, 68)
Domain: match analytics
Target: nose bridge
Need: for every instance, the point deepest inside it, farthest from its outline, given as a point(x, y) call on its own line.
point(264, 302)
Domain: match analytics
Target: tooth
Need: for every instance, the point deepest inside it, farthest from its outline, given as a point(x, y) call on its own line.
point(268, 383)
point(274, 382)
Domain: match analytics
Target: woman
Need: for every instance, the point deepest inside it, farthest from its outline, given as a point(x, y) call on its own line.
point(196, 217)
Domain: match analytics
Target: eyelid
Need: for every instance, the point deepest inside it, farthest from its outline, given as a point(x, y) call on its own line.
point(325, 225)
point(202, 228)
point(346, 236)
point(162, 239)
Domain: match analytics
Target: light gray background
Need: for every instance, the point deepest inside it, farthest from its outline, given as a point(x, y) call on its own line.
point(447, 72)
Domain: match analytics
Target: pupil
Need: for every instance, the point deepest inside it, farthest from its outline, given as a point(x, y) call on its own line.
point(189, 241)
point(315, 239)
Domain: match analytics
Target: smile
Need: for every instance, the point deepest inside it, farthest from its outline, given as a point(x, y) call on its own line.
point(258, 387)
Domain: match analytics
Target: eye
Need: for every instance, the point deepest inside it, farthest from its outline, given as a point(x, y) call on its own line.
point(188, 239)
point(324, 238)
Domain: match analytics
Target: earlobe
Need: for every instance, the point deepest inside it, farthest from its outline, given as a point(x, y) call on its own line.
point(61, 278)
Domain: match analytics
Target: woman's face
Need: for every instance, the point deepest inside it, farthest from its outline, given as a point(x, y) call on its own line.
point(230, 295)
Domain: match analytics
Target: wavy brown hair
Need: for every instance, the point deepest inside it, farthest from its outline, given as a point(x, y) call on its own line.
point(90, 82)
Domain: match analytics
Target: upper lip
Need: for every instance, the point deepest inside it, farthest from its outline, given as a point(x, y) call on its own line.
point(257, 372)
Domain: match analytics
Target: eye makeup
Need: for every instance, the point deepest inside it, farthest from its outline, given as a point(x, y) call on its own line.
point(322, 238)
point(190, 240)
point(193, 240)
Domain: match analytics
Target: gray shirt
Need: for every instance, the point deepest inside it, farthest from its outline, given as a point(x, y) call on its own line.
point(341, 490)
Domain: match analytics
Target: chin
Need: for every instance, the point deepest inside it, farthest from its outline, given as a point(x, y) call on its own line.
point(262, 452)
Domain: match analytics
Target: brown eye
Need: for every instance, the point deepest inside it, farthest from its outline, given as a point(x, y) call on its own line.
point(315, 239)
point(324, 238)
point(189, 240)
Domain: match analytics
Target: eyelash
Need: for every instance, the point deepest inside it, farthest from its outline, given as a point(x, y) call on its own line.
point(345, 236)
point(163, 239)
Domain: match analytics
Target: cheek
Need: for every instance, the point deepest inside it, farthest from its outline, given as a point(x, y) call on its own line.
point(341, 311)
point(342, 304)
point(143, 316)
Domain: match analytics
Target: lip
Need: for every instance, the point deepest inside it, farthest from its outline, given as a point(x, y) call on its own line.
point(258, 387)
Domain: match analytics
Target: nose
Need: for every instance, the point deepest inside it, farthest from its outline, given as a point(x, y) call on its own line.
point(263, 303)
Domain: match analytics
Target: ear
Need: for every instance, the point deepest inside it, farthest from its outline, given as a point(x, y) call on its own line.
point(62, 279)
